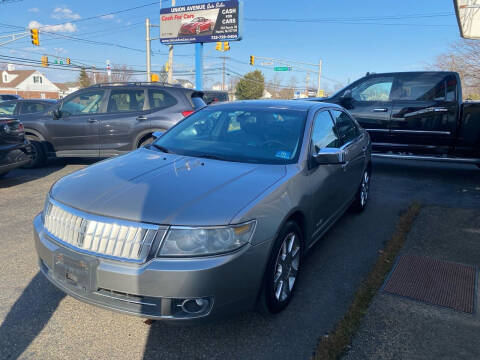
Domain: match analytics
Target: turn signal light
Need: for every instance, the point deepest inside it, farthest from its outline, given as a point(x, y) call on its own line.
point(186, 113)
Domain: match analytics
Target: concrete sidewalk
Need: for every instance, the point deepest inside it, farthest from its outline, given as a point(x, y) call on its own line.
point(399, 328)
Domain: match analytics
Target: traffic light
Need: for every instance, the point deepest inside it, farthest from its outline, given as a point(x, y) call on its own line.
point(34, 36)
point(252, 60)
point(68, 61)
point(226, 46)
point(44, 61)
point(219, 46)
point(154, 78)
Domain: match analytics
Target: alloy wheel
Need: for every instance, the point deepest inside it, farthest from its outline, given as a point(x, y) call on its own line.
point(286, 267)
point(364, 188)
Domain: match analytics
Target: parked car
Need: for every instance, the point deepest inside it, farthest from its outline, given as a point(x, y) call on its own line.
point(107, 120)
point(197, 26)
point(6, 97)
point(415, 115)
point(213, 215)
point(213, 96)
point(21, 107)
point(14, 148)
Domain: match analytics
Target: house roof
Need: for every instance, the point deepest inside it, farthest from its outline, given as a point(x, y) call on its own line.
point(22, 75)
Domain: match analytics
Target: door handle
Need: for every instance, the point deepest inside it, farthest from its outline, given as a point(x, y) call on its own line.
point(345, 165)
point(141, 118)
point(92, 120)
point(380, 110)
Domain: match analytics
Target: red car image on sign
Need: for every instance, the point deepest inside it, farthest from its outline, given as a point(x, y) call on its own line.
point(197, 26)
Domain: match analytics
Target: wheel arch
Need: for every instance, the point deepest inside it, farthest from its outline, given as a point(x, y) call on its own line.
point(143, 135)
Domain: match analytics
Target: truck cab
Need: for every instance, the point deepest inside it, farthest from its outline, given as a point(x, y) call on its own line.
point(415, 113)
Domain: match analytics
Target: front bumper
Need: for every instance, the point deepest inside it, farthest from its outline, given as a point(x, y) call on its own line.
point(14, 156)
point(153, 290)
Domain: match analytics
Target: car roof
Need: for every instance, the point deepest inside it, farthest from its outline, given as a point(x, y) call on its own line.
point(410, 72)
point(283, 104)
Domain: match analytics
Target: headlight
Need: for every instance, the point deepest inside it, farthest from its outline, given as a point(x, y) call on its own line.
point(46, 208)
point(194, 241)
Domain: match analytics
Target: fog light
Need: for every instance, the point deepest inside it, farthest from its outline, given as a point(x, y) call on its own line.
point(195, 306)
point(184, 308)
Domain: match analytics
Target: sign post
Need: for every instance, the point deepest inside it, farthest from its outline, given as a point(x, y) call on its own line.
point(282, 68)
point(199, 66)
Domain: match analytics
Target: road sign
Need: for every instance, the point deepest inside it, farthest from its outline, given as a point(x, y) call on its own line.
point(200, 23)
point(282, 68)
point(266, 63)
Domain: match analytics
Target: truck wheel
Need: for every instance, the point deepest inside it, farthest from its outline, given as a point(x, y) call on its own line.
point(39, 156)
point(283, 269)
point(363, 193)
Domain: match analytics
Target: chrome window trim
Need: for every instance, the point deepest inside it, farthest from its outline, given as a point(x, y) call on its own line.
point(157, 229)
point(432, 132)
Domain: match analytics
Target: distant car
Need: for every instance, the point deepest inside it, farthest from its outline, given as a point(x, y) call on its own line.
point(212, 218)
point(6, 97)
point(21, 107)
point(213, 96)
point(107, 119)
point(197, 26)
point(14, 148)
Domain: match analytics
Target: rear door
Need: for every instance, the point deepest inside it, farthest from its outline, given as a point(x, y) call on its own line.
point(371, 106)
point(425, 111)
point(126, 115)
point(353, 142)
point(76, 132)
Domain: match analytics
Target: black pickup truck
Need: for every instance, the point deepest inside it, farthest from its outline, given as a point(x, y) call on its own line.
point(415, 115)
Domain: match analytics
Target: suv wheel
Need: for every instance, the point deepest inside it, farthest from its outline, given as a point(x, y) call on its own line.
point(39, 157)
point(146, 140)
point(283, 269)
point(361, 198)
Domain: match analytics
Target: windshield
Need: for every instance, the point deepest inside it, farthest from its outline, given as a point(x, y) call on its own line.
point(267, 136)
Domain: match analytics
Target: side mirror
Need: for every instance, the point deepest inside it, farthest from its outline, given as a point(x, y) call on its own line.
point(157, 134)
point(346, 97)
point(56, 114)
point(330, 156)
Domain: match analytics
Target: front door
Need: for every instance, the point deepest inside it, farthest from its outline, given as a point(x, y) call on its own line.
point(76, 131)
point(371, 105)
point(325, 180)
point(425, 111)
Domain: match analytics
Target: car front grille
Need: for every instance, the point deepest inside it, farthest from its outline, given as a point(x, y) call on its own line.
point(106, 237)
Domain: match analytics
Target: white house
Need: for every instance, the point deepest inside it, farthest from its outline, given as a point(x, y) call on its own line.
point(27, 83)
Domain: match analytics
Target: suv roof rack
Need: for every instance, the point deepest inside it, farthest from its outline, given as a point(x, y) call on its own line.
point(138, 83)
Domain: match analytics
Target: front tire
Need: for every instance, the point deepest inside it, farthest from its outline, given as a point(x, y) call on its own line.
point(39, 156)
point(283, 269)
point(363, 193)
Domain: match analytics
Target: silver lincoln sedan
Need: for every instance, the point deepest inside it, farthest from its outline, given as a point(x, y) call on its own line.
point(213, 217)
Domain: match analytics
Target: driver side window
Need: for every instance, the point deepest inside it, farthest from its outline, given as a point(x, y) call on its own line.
point(375, 89)
point(323, 133)
point(85, 103)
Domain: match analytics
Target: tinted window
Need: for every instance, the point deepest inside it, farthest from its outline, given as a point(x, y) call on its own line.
point(373, 89)
point(270, 136)
point(346, 127)
point(425, 87)
point(85, 103)
point(323, 133)
point(7, 108)
point(126, 100)
point(8, 97)
point(161, 99)
point(28, 108)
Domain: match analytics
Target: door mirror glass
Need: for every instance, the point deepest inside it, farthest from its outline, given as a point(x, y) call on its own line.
point(56, 114)
point(157, 134)
point(330, 156)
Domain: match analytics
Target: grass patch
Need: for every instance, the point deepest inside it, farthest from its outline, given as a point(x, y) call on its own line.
point(333, 345)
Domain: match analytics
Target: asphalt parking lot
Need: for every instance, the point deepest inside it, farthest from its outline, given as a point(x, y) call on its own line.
point(39, 322)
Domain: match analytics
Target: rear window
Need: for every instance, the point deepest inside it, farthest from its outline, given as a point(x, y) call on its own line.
point(161, 99)
point(8, 97)
point(195, 100)
point(29, 108)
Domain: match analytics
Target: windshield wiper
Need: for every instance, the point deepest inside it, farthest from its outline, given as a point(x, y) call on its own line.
point(162, 149)
point(213, 157)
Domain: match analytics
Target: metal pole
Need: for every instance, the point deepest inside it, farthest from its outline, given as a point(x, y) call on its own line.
point(147, 39)
point(319, 76)
point(223, 74)
point(199, 66)
point(170, 58)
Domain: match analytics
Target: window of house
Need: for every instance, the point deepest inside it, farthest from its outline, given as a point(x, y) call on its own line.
point(37, 79)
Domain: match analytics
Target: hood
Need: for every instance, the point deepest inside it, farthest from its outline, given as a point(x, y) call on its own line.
point(153, 187)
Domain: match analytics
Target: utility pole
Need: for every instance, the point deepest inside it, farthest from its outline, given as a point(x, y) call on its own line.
point(223, 73)
point(170, 58)
point(147, 39)
point(319, 76)
point(307, 79)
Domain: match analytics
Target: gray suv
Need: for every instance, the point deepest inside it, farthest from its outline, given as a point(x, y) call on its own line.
point(107, 119)
point(211, 218)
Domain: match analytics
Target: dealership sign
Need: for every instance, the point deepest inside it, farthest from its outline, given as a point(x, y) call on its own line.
point(208, 22)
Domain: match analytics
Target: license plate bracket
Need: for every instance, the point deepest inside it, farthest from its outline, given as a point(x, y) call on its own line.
point(75, 271)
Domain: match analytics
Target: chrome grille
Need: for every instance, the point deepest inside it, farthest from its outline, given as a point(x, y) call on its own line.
point(118, 239)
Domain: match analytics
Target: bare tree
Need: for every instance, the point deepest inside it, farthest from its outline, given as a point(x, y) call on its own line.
point(120, 73)
point(463, 57)
point(274, 86)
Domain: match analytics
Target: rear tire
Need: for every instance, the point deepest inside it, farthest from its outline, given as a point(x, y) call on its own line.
point(39, 156)
point(363, 193)
point(283, 269)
